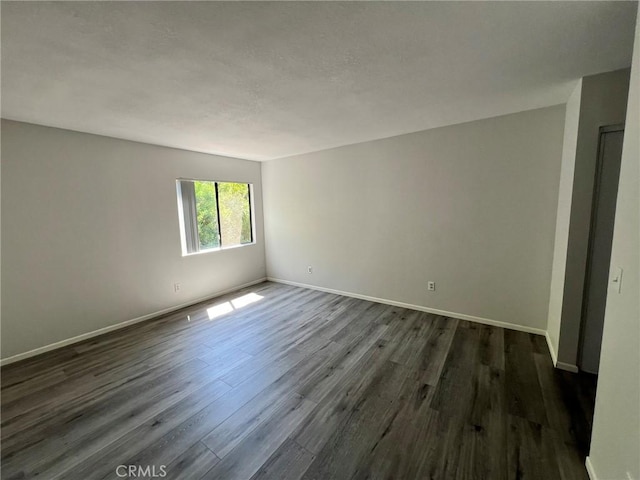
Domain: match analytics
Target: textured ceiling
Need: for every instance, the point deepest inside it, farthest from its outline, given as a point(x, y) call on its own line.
point(265, 80)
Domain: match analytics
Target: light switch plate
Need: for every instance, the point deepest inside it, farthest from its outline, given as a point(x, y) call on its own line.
point(616, 278)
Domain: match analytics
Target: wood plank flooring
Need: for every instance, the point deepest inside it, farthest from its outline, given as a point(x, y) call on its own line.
point(279, 382)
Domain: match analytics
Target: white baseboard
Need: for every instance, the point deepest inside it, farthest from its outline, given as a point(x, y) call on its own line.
point(569, 367)
point(590, 469)
point(117, 326)
point(552, 350)
point(461, 316)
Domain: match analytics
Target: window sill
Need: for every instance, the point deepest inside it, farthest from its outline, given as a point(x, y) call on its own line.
point(218, 249)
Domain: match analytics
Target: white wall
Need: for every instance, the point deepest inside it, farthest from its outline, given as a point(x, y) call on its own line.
point(569, 146)
point(90, 233)
point(603, 101)
point(615, 442)
point(468, 206)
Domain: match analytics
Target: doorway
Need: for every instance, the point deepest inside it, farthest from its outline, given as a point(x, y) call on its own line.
point(600, 241)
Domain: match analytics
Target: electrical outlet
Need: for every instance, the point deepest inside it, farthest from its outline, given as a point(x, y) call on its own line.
point(176, 287)
point(309, 269)
point(431, 286)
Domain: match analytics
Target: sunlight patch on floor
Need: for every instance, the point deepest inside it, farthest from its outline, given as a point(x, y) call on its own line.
point(221, 309)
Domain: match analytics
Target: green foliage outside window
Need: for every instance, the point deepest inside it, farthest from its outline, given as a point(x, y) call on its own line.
point(235, 218)
point(207, 214)
point(234, 209)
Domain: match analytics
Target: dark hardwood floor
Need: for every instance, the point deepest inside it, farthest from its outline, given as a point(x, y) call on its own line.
point(279, 382)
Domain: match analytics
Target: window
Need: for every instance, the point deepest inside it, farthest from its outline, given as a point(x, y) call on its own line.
point(214, 215)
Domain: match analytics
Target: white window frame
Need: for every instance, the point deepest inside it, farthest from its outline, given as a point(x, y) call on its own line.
point(188, 217)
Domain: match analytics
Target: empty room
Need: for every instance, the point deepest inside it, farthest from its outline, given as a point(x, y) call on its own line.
point(320, 240)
